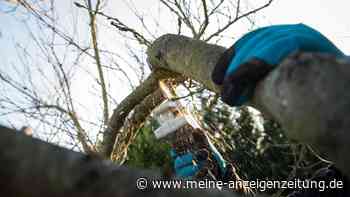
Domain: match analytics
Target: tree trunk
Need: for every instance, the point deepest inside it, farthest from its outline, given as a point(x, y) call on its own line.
point(309, 94)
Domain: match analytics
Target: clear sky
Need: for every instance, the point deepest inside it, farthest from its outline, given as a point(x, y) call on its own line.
point(329, 17)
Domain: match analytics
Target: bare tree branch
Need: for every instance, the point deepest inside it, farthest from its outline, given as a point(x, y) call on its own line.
point(116, 122)
point(119, 25)
point(186, 18)
point(60, 33)
point(206, 20)
point(34, 168)
point(181, 15)
point(133, 124)
point(191, 58)
point(237, 18)
point(93, 31)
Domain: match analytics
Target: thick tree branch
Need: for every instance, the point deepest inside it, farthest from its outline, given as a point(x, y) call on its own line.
point(308, 94)
point(132, 125)
point(119, 115)
point(33, 168)
point(192, 58)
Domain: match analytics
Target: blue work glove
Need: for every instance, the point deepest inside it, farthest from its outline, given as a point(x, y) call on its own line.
point(187, 169)
point(184, 165)
point(189, 164)
point(254, 55)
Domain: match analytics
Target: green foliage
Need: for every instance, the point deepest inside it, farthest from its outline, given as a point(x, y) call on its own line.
point(258, 153)
point(147, 151)
point(261, 154)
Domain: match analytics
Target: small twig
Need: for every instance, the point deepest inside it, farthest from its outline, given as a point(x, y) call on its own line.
point(206, 20)
point(237, 18)
point(189, 94)
point(181, 15)
point(318, 156)
point(238, 8)
point(119, 25)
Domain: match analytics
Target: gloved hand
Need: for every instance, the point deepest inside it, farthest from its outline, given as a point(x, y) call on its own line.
point(189, 164)
point(254, 55)
point(238, 87)
point(184, 165)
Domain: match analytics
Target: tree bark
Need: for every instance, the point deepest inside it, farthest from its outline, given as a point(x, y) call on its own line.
point(192, 58)
point(308, 93)
point(119, 115)
point(31, 168)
